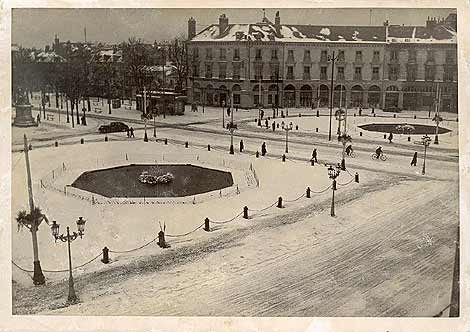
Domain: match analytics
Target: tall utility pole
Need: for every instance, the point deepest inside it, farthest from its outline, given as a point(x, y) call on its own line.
point(232, 126)
point(455, 296)
point(38, 276)
point(146, 139)
point(259, 102)
point(437, 118)
point(332, 59)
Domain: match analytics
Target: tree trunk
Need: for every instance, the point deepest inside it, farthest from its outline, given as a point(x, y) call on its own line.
point(88, 104)
point(78, 111)
point(72, 104)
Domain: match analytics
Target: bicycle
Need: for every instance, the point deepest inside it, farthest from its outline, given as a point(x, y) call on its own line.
point(351, 154)
point(382, 156)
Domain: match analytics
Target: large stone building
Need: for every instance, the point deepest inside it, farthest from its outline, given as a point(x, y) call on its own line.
point(376, 66)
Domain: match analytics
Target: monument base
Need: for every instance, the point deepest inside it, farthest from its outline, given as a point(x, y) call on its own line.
point(24, 117)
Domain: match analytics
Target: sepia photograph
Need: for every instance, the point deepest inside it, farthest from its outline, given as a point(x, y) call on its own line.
point(237, 162)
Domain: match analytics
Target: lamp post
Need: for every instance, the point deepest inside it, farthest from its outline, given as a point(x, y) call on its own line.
point(146, 139)
point(425, 140)
point(232, 126)
point(342, 115)
point(333, 173)
point(332, 59)
point(69, 238)
point(437, 118)
point(287, 129)
point(223, 113)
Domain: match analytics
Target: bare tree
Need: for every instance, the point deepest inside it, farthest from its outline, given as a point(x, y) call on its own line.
point(135, 56)
point(177, 54)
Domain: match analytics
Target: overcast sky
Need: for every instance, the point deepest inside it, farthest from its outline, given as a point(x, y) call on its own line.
point(37, 27)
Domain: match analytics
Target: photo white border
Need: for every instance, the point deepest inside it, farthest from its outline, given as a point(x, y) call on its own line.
point(8, 322)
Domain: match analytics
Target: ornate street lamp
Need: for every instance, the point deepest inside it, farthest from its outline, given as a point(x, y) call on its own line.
point(425, 140)
point(232, 126)
point(333, 173)
point(287, 128)
point(72, 297)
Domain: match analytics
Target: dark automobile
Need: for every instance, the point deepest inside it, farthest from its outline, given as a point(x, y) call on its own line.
point(113, 127)
point(392, 109)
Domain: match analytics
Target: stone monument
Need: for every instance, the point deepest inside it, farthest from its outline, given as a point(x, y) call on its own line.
point(23, 117)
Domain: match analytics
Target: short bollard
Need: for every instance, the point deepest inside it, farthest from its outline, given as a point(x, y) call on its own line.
point(394, 115)
point(208, 147)
point(277, 125)
point(356, 177)
point(308, 192)
point(316, 130)
point(300, 115)
point(56, 144)
point(166, 141)
point(283, 157)
point(161, 240)
point(256, 120)
point(279, 202)
point(105, 258)
point(106, 138)
point(257, 154)
point(385, 136)
point(354, 114)
point(186, 144)
point(206, 225)
point(245, 212)
point(318, 113)
point(360, 133)
point(312, 162)
point(30, 147)
point(409, 138)
point(82, 141)
point(296, 127)
point(374, 115)
point(414, 116)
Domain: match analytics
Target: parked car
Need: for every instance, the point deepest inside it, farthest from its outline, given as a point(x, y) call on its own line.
point(113, 127)
point(392, 109)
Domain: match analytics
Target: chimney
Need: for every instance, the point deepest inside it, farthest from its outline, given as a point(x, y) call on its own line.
point(277, 20)
point(223, 23)
point(431, 23)
point(191, 28)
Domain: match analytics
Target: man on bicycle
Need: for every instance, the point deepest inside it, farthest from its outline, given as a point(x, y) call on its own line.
point(379, 152)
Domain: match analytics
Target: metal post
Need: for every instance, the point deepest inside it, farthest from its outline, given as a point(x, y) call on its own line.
point(145, 115)
point(72, 298)
point(331, 93)
point(38, 276)
point(455, 296)
point(333, 198)
point(232, 128)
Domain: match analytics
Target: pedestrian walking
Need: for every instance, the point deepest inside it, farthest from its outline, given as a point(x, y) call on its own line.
point(266, 123)
point(314, 155)
point(38, 118)
point(274, 125)
point(262, 114)
point(241, 145)
point(128, 133)
point(390, 138)
point(132, 132)
point(263, 149)
point(360, 111)
point(228, 111)
point(282, 124)
point(372, 110)
point(274, 113)
point(415, 159)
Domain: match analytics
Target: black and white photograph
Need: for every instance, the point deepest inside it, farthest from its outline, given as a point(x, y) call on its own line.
point(235, 162)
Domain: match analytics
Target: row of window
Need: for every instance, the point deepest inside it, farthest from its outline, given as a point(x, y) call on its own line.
point(394, 55)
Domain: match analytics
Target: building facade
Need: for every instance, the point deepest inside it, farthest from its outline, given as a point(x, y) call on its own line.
point(287, 65)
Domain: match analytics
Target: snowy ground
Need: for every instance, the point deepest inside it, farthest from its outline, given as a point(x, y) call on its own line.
point(389, 251)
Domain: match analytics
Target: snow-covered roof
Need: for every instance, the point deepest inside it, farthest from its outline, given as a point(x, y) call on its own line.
point(332, 33)
point(292, 33)
point(440, 34)
point(169, 69)
point(49, 57)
